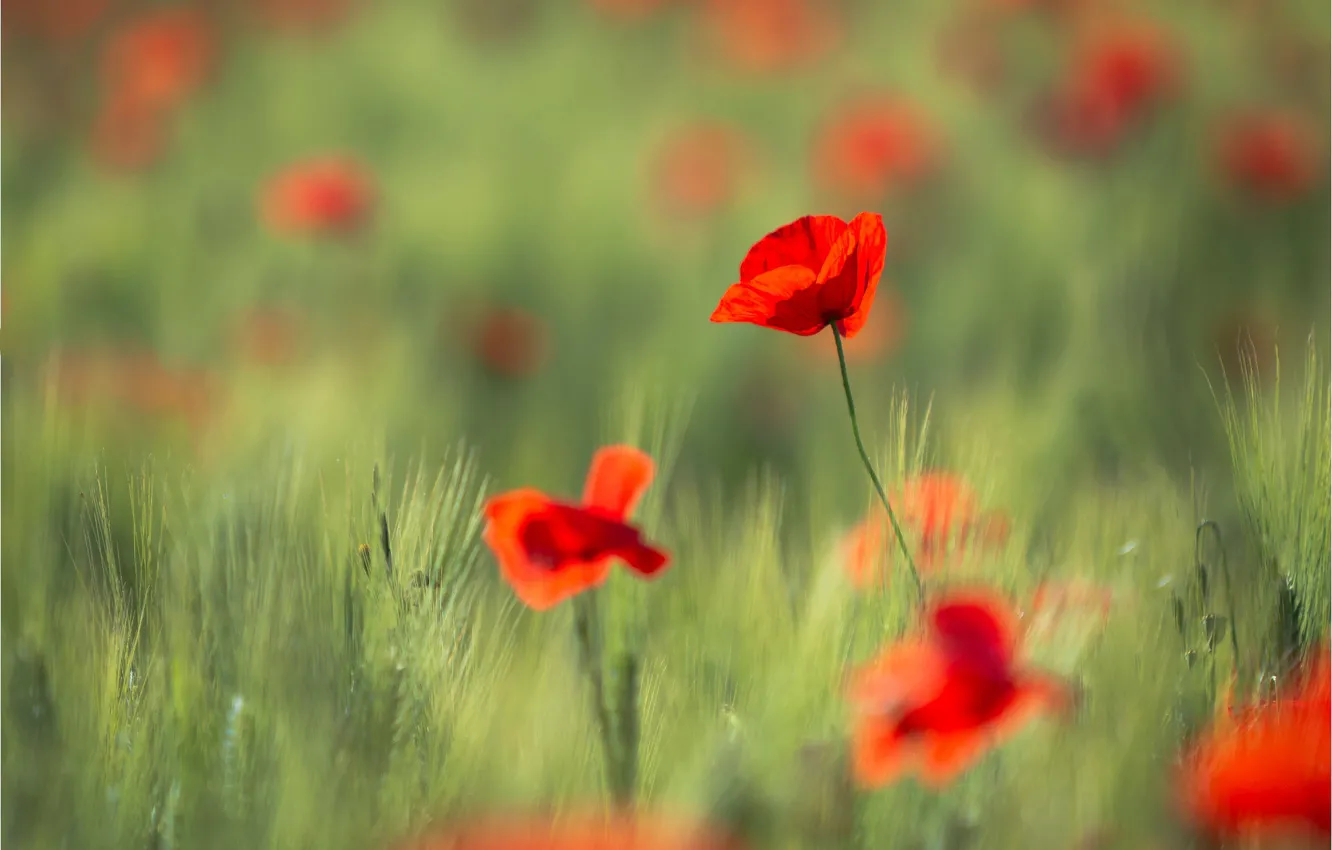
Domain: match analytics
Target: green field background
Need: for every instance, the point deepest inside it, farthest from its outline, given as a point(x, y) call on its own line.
point(193, 655)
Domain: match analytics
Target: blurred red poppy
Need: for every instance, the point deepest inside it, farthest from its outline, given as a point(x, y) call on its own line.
point(620, 832)
point(934, 703)
point(696, 171)
point(330, 195)
point(1117, 73)
point(1266, 770)
point(135, 381)
point(771, 35)
point(267, 336)
point(509, 342)
point(160, 59)
point(935, 510)
point(808, 274)
point(549, 551)
point(1272, 155)
point(873, 145)
point(935, 505)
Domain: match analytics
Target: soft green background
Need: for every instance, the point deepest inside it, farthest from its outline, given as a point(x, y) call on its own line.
point(1062, 325)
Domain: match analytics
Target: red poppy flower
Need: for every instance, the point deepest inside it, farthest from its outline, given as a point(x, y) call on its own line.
point(509, 342)
point(1117, 73)
point(329, 195)
point(1272, 155)
point(159, 60)
point(873, 145)
point(621, 832)
point(881, 334)
point(808, 274)
point(1267, 772)
point(935, 510)
point(695, 173)
point(935, 703)
point(769, 35)
point(549, 551)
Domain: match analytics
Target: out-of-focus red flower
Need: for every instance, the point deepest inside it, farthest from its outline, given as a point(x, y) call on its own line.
point(137, 382)
point(881, 334)
point(326, 196)
point(1118, 72)
point(267, 337)
point(808, 274)
point(696, 171)
point(549, 551)
point(302, 15)
point(935, 510)
point(1266, 770)
point(872, 145)
point(509, 342)
point(1058, 603)
point(621, 832)
point(1272, 155)
point(937, 504)
point(771, 35)
point(126, 136)
point(159, 60)
point(934, 703)
point(53, 20)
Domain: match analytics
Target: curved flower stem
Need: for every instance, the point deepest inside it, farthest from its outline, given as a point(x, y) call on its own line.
point(869, 467)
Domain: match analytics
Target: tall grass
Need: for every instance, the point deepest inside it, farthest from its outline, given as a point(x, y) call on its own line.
point(195, 662)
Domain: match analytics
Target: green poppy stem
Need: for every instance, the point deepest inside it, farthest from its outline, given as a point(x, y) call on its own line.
point(589, 650)
point(869, 467)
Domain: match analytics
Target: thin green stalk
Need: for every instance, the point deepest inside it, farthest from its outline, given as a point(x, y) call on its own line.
point(869, 467)
point(1225, 574)
point(591, 658)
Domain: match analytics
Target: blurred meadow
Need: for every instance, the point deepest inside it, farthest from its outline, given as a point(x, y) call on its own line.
point(290, 287)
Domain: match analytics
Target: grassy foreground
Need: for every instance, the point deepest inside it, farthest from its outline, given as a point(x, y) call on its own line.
point(196, 662)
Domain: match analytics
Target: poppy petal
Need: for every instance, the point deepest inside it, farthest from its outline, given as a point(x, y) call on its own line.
point(784, 299)
point(536, 585)
point(804, 242)
point(879, 754)
point(871, 249)
point(643, 559)
point(947, 756)
point(837, 277)
point(905, 673)
point(977, 631)
point(617, 479)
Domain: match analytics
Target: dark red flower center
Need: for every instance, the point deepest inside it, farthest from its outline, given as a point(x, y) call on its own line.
point(564, 535)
